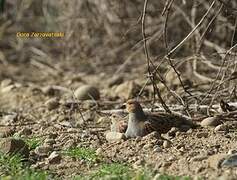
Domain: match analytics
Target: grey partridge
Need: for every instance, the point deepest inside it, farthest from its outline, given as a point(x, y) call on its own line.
point(141, 124)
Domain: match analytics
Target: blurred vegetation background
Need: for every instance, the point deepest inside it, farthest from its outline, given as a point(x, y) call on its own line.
point(106, 36)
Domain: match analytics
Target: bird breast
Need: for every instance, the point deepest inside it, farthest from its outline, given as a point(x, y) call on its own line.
point(135, 129)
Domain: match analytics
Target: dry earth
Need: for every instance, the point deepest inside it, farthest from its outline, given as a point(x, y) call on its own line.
point(32, 107)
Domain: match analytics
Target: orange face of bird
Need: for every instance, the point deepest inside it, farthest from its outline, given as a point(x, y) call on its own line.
point(133, 106)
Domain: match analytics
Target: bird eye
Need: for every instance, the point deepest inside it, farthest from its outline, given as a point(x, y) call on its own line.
point(129, 102)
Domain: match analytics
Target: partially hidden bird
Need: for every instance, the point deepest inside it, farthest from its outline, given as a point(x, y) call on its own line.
point(119, 123)
point(141, 123)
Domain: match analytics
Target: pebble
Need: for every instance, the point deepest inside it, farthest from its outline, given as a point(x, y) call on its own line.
point(7, 88)
point(157, 176)
point(166, 144)
point(114, 136)
point(6, 82)
point(52, 103)
point(43, 150)
point(210, 121)
point(221, 127)
point(147, 146)
point(68, 124)
point(54, 157)
point(99, 151)
point(157, 148)
point(87, 92)
point(232, 151)
point(190, 131)
point(8, 119)
point(137, 164)
point(202, 134)
point(12, 146)
point(172, 132)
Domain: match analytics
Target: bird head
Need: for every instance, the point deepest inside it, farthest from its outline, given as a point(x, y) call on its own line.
point(133, 106)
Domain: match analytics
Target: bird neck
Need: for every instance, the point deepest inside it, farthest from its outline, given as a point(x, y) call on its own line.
point(137, 116)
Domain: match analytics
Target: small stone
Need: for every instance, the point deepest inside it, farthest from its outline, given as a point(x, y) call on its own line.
point(202, 135)
point(232, 151)
point(177, 133)
point(12, 146)
point(172, 132)
point(54, 157)
point(137, 164)
point(147, 146)
point(157, 148)
point(7, 88)
point(99, 151)
point(114, 136)
point(6, 82)
point(68, 124)
point(8, 119)
point(25, 131)
point(115, 80)
point(230, 161)
point(52, 103)
point(190, 131)
point(166, 144)
point(87, 92)
point(215, 161)
point(210, 121)
point(6, 132)
point(221, 127)
point(157, 177)
point(138, 139)
point(43, 150)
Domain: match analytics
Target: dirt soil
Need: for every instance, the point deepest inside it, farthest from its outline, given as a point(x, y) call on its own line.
point(27, 95)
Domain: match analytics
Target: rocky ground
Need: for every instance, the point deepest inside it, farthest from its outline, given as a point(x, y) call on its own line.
point(59, 125)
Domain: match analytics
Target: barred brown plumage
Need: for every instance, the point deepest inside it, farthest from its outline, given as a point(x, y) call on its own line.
point(141, 124)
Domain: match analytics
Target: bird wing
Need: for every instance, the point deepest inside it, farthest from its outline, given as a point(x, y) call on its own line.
point(122, 126)
point(118, 123)
point(163, 122)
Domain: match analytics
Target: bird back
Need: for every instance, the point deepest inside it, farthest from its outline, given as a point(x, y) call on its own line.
point(163, 122)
